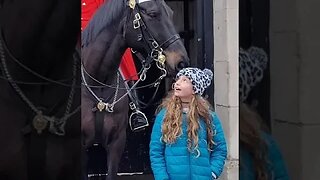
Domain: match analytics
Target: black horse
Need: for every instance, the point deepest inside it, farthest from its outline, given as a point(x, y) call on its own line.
point(40, 132)
point(146, 27)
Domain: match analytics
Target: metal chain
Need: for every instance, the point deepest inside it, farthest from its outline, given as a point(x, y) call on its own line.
point(72, 91)
point(71, 114)
point(14, 85)
point(67, 115)
point(142, 76)
point(117, 90)
point(33, 83)
point(101, 83)
point(144, 71)
point(128, 91)
point(140, 87)
point(87, 86)
point(133, 86)
point(4, 47)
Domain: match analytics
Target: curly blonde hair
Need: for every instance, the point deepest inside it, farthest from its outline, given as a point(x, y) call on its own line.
point(251, 140)
point(172, 124)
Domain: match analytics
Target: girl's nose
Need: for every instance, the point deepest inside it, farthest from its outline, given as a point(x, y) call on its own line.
point(177, 82)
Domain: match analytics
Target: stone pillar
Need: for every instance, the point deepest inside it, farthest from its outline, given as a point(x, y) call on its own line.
point(295, 90)
point(226, 78)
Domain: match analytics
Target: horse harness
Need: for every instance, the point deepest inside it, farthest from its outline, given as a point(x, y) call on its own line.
point(40, 120)
point(37, 139)
point(155, 54)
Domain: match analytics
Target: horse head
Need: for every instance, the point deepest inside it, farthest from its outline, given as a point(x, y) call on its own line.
point(149, 29)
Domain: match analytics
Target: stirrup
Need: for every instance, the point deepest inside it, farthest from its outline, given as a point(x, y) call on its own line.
point(139, 113)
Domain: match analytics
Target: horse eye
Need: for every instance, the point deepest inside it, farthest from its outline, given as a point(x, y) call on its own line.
point(153, 14)
point(143, 11)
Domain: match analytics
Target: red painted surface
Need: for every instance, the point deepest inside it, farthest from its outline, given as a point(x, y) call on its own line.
point(127, 66)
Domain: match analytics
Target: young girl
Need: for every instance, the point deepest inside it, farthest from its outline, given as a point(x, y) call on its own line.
point(260, 157)
point(187, 140)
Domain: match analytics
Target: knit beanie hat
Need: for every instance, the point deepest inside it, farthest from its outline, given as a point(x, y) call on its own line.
point(252, 62)
point(200, 79)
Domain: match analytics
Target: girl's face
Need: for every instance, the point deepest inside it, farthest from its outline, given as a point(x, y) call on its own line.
point(183, 88)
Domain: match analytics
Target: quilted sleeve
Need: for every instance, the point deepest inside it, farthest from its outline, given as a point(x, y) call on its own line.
point(277, 164)
point(157, 148)
point(219, 153)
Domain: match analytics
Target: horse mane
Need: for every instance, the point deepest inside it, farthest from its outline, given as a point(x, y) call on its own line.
point(107, 14)
point(167, 8)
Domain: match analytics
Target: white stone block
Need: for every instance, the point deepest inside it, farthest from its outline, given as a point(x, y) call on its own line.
point(310, 152)
point(284, 77)
point(308, 14)
point(219, 4)
point(309, 77)
point(288, 138)
point(220, 36)
point(283, 15)
point(234, 132)
point(231, 170)
point(221, 83)
point(233, 33)
point(233, 84)
point(309, 92)
point(230, 122)
point(232, 4)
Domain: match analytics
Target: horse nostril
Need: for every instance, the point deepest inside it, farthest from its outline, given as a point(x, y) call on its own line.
point(187, 64)
point(182, 64)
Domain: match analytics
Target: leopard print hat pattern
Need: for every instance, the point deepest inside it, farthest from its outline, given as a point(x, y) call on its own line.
point(252, 62)
point(200, 79)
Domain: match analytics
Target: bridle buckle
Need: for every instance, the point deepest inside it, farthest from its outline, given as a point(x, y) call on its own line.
point(136, 21)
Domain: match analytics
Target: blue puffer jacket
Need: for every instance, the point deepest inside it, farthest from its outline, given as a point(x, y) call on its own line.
point(276, 165)
point(175, 162)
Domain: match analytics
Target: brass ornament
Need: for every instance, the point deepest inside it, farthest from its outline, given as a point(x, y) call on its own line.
point(132, 4)
point(101, 106)
point(39, 122)
point(162, 58)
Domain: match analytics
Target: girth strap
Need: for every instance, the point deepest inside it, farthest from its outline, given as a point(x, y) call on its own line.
point(37, 147)
point(99, 122)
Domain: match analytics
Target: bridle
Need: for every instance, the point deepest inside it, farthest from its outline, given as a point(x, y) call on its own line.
point(154, 51)
point(153, 48)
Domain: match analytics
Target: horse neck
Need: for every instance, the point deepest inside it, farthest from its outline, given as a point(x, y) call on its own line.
point(32, 43)
point(103, 64)
point(21, 40)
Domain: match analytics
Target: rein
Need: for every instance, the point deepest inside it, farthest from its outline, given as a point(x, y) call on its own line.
point(46, 80)
point(40, 121)
point(155, 54)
